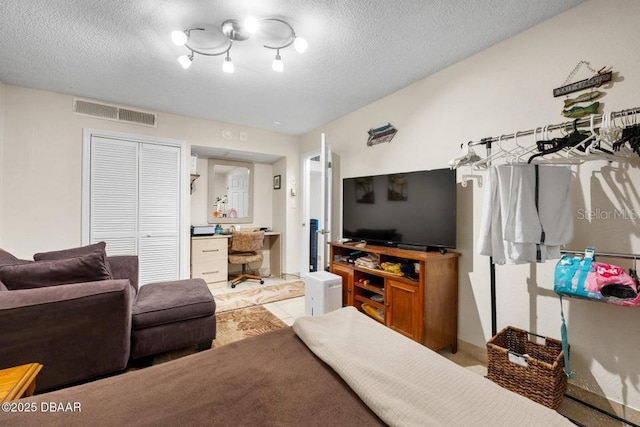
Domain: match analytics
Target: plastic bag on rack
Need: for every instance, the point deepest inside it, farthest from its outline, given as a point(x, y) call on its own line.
point(583, 277)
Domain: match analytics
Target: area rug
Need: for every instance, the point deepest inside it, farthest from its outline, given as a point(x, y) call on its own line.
point(258, 296)
point(244, 323)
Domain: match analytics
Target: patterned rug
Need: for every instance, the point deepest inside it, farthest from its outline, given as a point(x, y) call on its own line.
point(253, 297)
point(244, 323)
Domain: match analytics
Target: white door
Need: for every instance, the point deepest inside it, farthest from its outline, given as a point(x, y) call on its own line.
point(159, 213)
point(318, 174)
point(326, 195)
point(238, 191)
point(134, 203)
point(113, 203)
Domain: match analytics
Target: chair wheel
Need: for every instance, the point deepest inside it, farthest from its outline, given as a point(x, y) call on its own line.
point(261, 282)
point(233, 285)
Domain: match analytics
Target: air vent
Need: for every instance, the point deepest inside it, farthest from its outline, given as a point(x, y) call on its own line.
point(113, 112)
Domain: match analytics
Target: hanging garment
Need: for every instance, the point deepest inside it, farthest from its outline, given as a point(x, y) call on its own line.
point(527, 213)
point(538, 201)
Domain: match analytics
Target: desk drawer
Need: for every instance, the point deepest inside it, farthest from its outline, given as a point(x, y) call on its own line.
point(211, 271)
point(207, 249)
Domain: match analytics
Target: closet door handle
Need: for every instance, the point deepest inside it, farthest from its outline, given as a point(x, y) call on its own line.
point(211, 250)
point(210, 272)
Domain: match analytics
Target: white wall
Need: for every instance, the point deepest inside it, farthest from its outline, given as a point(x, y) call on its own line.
point(42, 165)
point(502, 90)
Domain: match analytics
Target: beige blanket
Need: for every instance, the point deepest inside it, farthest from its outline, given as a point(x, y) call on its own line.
point(406, 384)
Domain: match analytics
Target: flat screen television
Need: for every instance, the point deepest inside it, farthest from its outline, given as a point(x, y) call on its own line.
point(412, 209)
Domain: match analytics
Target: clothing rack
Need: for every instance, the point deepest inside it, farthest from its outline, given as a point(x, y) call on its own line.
point(487, 142)
point(603, 254)
point(566, 126)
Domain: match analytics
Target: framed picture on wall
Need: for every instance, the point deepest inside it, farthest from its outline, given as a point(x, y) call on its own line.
point(276, 182)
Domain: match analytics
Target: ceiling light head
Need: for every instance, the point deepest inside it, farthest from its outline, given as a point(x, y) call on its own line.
point(179, 38)
point(227, 65)
point(251, 24)
point(277, 64)
point(300, 45)
point(234, 30)
point(186, 60)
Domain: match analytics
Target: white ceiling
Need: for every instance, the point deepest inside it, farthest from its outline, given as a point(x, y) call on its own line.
point(120, 51)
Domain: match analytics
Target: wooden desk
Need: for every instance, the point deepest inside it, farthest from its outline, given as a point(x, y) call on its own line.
point(210, 262)
point(18, 382)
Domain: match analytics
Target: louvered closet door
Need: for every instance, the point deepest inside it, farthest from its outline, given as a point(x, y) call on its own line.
point(134, 204)
point(159, 213)
point(114, 195)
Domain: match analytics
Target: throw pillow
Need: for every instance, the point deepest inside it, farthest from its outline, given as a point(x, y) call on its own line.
point(70, 253)
point(3, 287)
point(8, 259)
point(86, 268)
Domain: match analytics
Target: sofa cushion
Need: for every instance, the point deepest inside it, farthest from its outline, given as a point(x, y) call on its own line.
point(168, 302)
point(8, 259)
point(86, 268)
point(70, 253)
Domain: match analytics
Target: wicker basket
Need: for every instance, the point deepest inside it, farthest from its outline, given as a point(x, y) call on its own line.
point(542, 379)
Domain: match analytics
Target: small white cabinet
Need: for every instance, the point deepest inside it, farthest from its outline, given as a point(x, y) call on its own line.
point(209, 258)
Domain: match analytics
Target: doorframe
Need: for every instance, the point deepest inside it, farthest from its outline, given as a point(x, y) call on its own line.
point(185, 206)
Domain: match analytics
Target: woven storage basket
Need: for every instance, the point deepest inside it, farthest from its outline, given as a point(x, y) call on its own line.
point(543, 379)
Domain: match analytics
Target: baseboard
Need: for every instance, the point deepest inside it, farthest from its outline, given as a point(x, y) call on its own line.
point(597, 400)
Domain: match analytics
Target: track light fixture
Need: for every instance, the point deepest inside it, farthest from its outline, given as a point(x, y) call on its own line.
point(235, 31)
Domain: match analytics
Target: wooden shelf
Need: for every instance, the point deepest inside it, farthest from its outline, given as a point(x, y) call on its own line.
point(372, 288)
point(369, 301)
point(380, 273)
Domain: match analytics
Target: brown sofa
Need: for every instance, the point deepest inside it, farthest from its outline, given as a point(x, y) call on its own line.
point(82, 329)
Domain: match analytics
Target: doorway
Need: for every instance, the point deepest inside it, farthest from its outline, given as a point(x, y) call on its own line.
point(319, 174)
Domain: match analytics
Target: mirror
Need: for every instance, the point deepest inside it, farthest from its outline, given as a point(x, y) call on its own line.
point(230, 198)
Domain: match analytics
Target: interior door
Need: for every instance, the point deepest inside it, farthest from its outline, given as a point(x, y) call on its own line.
point(319, 171)
point(159, 213)
point(326, 193)
point(238, 194)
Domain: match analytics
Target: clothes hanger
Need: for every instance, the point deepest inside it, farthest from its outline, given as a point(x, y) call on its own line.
point(595, 149)
point(544, 133)
point(514, 154)
point(484, 163)
point(558, 144)
point(468, 157)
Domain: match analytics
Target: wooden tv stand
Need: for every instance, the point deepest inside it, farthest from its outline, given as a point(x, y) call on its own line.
point(425, 310)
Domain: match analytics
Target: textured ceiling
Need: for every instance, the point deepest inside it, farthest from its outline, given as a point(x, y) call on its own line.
point(120, 51)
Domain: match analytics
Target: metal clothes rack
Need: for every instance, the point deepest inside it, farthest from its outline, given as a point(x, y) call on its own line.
point(487, 142)
point(566, 126)
point(604, 254)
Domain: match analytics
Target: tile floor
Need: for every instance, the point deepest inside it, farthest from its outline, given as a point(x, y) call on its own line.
point(287, 310)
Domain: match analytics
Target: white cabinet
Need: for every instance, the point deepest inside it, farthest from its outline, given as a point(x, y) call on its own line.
point(209, 258)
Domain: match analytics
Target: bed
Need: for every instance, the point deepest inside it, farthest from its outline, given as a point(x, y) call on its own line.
point(342, 368)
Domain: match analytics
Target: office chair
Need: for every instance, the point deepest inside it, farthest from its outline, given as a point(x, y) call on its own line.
point(245, 247)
